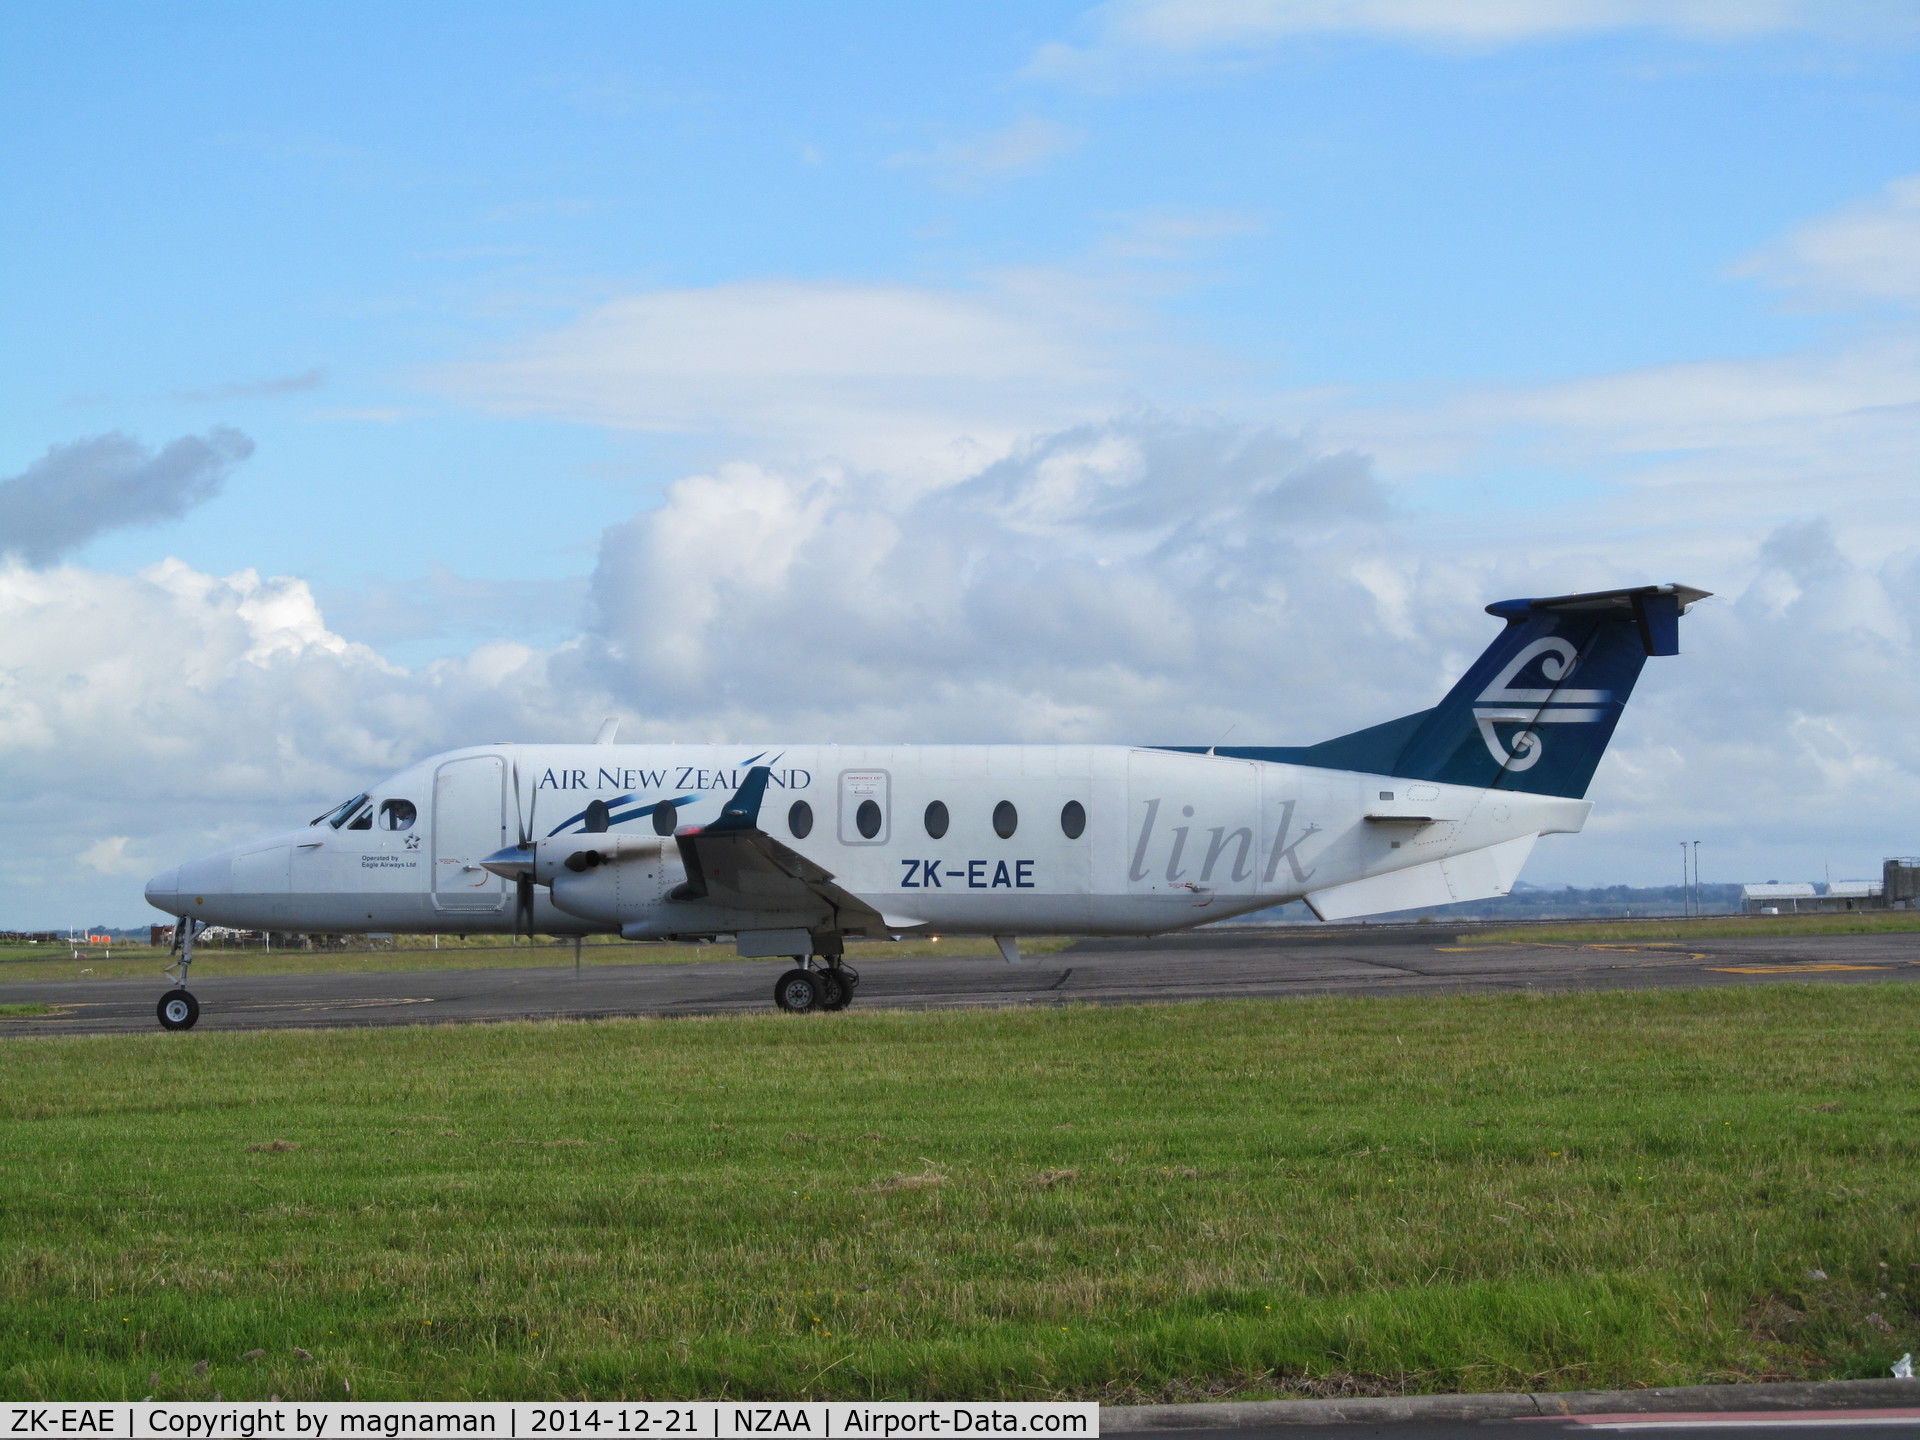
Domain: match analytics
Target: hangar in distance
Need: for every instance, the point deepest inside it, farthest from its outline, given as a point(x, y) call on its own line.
point(792, 849)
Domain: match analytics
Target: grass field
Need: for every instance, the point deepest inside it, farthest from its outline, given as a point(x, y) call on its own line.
point(1708, 927)
point(416, 952)
point(1246, 1198)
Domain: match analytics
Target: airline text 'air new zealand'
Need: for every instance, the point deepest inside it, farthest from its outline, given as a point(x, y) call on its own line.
point(790, 849)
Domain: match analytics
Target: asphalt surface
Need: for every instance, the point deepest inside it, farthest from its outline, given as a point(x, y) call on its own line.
point(1224, 964)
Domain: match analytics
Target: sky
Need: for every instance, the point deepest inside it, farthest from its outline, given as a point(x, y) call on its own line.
point(381, 379)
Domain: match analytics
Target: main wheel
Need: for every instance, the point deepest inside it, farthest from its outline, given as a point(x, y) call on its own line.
point(835, 992)
point(178, 1010)
point(799, 992)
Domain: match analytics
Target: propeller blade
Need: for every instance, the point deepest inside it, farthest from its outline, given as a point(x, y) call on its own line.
point(520, 817)
point(523, 904)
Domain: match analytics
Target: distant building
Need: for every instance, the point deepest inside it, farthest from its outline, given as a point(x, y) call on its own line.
point(1774, 898)
point(1801, 898)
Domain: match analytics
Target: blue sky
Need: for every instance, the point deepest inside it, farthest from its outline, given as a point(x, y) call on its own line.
point(503, 296)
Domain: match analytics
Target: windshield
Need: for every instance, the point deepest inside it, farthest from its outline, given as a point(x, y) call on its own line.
point(337, 816)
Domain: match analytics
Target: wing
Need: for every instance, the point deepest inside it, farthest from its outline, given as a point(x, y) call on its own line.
point(736, 864)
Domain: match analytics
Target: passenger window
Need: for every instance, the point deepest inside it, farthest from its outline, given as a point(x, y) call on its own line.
point(1073, 819)
point(867, 819)
point(1006, 819)
point(597, 818)
point(937, 819)
point(397, 814)
point(799, 819)
point(666, 815)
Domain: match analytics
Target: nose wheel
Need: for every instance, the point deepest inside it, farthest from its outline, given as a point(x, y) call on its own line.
point(178, 1010)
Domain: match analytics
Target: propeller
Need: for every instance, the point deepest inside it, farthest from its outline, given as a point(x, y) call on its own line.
point(523, 876)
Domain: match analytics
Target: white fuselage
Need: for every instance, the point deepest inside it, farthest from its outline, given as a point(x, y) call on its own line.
point(1170, 840)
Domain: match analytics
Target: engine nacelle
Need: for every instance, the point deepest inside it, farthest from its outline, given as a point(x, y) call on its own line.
point(608, 878)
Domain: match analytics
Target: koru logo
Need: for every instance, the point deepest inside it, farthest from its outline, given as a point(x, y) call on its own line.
point(1500, 702)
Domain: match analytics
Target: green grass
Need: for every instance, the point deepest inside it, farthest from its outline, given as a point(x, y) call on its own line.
point(1126, 1203)
point(1718, 927)
point(18, 1010)
point(416, 952)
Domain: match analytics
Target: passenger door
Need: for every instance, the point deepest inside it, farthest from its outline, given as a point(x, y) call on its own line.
point(469, 824)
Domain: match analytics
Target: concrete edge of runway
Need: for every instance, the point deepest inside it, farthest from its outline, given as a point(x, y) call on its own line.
point(1805, 1395)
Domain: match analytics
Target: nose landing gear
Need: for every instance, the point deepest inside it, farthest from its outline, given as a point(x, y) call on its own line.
point(178, 1010)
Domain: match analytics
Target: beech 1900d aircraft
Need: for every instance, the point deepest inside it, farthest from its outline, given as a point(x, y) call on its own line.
point(790, 849)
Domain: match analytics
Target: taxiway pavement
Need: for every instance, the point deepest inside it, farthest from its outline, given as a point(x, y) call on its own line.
point(1249, 962)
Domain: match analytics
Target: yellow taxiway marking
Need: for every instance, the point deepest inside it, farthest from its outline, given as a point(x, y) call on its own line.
point(1665, 949)
point(1786, 969)
point(1556, 945)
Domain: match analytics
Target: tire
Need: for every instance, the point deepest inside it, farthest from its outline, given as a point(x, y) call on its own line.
point(799, 992)
point(835, 992)
point(178, 1010)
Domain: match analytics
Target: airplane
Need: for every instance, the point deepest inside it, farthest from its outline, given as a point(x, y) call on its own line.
point(793, 849)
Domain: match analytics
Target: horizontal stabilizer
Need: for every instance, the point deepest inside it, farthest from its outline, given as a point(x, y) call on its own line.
point(1476, 875)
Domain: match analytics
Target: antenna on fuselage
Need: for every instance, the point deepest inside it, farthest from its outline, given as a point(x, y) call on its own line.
point(609, 728)
point(1223, 735)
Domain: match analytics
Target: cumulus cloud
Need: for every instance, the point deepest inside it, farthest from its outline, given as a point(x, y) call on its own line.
point(877, 373)
point(77, 491)
point(1103, 581)
point(109, 856)
point(148, 717)
point(1137, 34)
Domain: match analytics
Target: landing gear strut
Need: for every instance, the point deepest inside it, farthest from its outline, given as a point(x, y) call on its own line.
point(807, 988)
point(178, 1010)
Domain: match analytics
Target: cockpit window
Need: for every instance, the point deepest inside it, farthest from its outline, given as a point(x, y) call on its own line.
point(397, 814)
point(338, 816)
point(362, 821)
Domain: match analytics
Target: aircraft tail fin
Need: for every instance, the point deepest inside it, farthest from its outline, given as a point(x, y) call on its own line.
point(1535, 712)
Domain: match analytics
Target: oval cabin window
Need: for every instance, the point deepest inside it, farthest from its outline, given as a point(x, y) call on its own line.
point(937, 819)
point(867, 819)
point(1006, 819)
point(664, 816)
point(800, 820)
point(1073, 819)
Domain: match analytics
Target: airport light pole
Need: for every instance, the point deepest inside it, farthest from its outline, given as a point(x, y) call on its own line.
point(1699, 902)
point(1686, 905)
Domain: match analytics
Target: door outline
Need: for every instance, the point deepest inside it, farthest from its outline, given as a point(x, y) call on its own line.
point(452, 861)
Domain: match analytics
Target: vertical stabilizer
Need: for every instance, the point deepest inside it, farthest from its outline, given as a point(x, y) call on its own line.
point(1535, 712)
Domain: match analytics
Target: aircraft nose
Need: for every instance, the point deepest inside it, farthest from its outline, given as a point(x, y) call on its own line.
point(163, 891)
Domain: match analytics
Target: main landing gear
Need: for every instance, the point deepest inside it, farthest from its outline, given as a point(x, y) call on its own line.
point(178, 1010)
point(802, 991)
